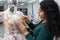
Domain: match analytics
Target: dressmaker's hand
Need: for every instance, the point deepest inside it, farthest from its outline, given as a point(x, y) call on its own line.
point(23, 29)
point(25, 18)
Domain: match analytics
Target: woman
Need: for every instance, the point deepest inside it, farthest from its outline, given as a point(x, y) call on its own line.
point(49, 27)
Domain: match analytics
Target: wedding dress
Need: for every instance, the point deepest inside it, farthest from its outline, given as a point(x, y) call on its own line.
point(11, 23)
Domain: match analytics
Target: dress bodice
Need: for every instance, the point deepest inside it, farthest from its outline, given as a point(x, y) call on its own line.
point(11, 22)
point(12, 19)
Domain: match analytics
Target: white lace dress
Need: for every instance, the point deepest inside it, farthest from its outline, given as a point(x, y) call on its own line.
point(11, 26)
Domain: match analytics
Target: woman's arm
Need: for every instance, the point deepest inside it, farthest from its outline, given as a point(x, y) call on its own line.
point(25, 32)
point(43, 34)
point(23, 28)
point(29, 22)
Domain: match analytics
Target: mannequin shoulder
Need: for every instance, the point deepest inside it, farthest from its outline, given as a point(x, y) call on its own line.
point(7, 10)
point(1, 13)
point(20, 13)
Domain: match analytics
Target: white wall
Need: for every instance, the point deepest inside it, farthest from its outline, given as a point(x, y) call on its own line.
point(58, 1)
point(29, 10)
point(35, 11)
point(4, 3)
point(22, 6)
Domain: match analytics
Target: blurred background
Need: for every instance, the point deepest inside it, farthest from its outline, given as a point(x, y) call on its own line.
point(28, 7)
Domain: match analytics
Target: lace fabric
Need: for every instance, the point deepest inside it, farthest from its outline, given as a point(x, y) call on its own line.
point(11, 30)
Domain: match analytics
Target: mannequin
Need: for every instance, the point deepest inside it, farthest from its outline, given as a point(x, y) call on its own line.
point(10, 22)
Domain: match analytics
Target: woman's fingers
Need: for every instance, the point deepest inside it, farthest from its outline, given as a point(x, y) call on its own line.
point(24, 17)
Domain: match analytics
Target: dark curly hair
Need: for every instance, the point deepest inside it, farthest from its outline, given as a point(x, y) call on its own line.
point(51, 11)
